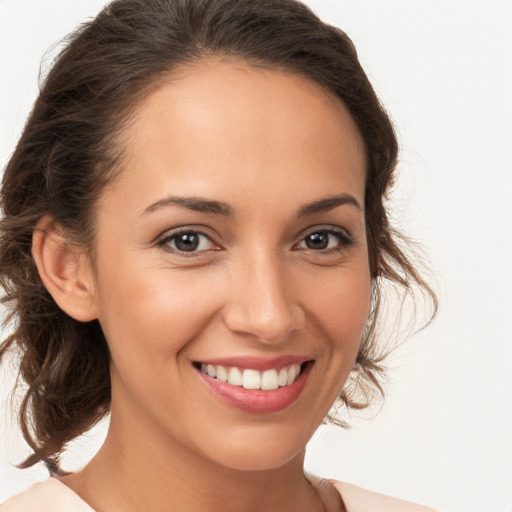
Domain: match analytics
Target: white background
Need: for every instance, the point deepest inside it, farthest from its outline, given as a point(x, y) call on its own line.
point(444, 71)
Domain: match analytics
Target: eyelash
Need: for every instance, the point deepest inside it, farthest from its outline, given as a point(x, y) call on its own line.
point(166, 240)
point(345, 240)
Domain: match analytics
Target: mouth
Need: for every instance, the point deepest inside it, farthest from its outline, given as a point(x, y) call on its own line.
point(250, 378)
point(256, 386)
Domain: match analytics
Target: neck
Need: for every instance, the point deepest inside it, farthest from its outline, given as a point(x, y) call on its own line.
point(153, 472)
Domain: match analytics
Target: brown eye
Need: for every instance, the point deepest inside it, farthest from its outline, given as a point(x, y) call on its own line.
point(187, 241)
point(317, 240)
point(325, 239)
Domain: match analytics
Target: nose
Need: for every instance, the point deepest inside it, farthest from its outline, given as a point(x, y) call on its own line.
point(262, 303)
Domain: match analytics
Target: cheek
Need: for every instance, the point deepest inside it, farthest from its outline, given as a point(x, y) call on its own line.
point(153, 313)
point(341, 307)
point(338, 312)
point(149, 320)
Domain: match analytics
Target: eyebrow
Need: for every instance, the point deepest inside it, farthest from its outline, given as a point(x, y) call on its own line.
point(200, 204)
point(328, 203)
point(197, 204)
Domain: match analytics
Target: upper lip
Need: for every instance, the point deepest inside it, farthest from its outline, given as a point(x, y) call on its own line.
point(257, 363)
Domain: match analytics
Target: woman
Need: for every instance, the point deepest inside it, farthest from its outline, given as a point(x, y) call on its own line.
point(194, 241)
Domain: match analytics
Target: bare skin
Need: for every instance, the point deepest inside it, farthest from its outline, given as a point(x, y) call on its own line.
point(273, 149)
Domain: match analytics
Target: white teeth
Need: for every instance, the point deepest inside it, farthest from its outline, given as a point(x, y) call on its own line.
point(269, 380)
point(283, 377)
point(293, 371)
point(222, 374)
point(253, 379)
point(235, 377)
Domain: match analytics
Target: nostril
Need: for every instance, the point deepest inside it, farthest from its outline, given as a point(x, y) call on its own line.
point(263, 304)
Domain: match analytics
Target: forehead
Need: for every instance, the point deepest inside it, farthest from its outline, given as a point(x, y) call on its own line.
point(223, 123)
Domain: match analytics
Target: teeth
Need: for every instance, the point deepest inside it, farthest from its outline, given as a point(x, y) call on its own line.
point(292, 373)
point(283, 377)
point(253, 379)
point(222, 374)
point(235, 377)
point(269, 380)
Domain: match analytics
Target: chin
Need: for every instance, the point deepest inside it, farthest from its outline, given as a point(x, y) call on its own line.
point(260, 452)
point(263, 462)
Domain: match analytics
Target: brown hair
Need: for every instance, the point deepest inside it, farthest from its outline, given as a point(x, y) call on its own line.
point(68, 153)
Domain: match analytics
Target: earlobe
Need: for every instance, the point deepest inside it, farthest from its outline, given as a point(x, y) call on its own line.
point(64, 270)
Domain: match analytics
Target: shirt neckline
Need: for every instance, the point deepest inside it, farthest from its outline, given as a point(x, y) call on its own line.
point(324, 487)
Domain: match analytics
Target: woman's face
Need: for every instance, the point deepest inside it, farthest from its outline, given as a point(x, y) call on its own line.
point(230, 254)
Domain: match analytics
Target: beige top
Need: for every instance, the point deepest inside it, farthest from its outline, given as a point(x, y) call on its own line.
point(53, 496)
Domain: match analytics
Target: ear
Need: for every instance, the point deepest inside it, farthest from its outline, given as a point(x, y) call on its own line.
point(64, 269)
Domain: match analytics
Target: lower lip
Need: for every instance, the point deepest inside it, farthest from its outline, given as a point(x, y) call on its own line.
point(257, 400)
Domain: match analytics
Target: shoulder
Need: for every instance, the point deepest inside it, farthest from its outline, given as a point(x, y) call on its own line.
point(48, 496)
point(357, 499)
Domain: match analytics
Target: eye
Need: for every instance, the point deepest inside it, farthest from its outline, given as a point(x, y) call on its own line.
point(188, 241)
point(325, 240)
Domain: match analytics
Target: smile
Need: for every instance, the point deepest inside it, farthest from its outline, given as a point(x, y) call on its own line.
point(256, 386)
point(253, 379)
